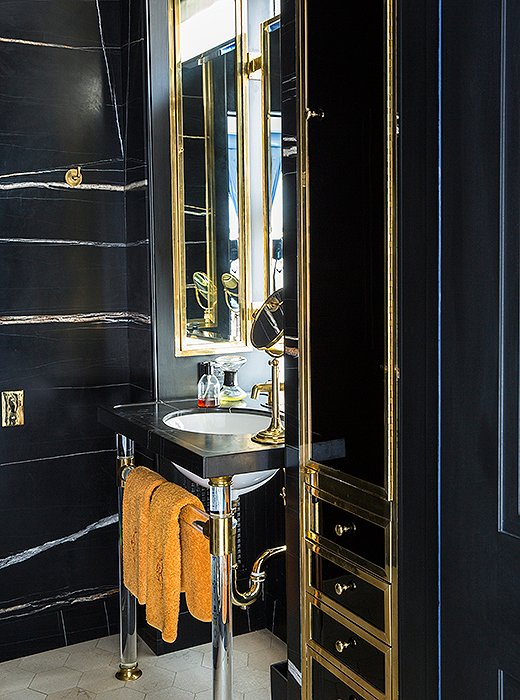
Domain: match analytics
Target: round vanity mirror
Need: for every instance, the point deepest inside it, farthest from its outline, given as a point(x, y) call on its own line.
point(267, 334)
point(268, 325)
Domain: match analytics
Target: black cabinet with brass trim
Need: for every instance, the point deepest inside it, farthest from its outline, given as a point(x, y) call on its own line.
point(348, 344)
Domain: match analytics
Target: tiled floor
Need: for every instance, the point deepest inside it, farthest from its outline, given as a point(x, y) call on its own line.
point(85, 671)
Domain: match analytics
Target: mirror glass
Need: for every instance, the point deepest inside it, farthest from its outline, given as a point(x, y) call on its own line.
point(207, 242)
point(272, 116)
point(226, 156)
point(268, 325)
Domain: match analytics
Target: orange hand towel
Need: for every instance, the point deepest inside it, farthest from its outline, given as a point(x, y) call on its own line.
point(168, 570)
point(137, 493)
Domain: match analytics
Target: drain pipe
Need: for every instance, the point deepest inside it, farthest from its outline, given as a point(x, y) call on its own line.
point(256, 578)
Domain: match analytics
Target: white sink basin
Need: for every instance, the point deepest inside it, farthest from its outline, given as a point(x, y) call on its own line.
point(224, 423)
point(219, 422)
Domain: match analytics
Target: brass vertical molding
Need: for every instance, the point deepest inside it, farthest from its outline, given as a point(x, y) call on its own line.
point(391, 331)
point(209, 153)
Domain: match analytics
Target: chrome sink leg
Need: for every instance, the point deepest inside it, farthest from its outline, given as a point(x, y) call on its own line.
point(128, 669)
point(221, 535)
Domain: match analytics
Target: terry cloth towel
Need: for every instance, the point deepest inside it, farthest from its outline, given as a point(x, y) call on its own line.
point(137, 494)
point(178, 560)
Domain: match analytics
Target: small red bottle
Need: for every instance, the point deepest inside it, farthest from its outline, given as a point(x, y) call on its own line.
point(208, 388)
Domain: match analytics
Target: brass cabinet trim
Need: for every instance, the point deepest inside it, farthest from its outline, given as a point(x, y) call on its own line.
point(314, 655)
point(381, 517)
point(322, 476)
point(321, 598)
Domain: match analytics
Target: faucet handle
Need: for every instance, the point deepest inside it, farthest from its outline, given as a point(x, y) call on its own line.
point(260, 389)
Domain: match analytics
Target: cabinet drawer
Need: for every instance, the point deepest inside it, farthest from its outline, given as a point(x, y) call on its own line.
point(368, 601)
point(351, 534)
point(325, 686)
point(344, 642)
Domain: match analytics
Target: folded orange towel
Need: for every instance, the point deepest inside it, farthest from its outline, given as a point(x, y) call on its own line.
point(139, 487)
point(178, 559)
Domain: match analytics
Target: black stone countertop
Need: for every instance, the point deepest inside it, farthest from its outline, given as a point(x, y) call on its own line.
point(203, 454)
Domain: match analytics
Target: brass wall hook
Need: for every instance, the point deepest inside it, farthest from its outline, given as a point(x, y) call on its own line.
point(73, 177)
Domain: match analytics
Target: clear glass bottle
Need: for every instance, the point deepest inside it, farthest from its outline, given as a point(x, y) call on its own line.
point(208, 388)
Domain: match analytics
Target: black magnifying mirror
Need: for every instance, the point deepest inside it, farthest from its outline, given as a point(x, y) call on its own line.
point(268, 325)
point(267, 334)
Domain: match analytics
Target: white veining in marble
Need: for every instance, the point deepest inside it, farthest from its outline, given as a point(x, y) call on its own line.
point(112, 93)
point(59, 600)
point(64, 241)
point(84, 186)
point(114, 317)
point(86, 166)
point(292, 151)
point(20, 557)
point(51, 457)
point(27, 42)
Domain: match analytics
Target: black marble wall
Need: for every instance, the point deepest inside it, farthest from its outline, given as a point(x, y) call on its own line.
point(74, 306)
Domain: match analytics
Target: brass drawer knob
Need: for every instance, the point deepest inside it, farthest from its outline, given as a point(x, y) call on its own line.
point(341, 646)
point(342, 587)
point(343, 529)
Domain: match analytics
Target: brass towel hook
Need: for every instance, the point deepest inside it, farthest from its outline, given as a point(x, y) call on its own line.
point(73, 177)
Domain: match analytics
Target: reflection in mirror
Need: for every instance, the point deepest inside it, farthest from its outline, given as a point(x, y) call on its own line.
point(272, 125)
point(207, 243)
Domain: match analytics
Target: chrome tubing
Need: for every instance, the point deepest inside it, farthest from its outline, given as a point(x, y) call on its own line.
point(220, 531)
point(128, 668)
point(256, 578)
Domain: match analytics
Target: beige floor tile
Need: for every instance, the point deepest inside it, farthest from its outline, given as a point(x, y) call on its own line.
point(86, 659)
point(195, 680)
point(208, 695)
point(170, 694)
point(100, 679)
point(153, 679)
point(180, 660)
point(263, 694)
point(262, 660)
point(72, 694)
point(54, 680)
point(45, 661)
point(240, 659)
point(121, 694)
point(248, 679)
point(15, 680)
point(9, 665)
point(253, 641)
point(25, 694)
point(109, 643)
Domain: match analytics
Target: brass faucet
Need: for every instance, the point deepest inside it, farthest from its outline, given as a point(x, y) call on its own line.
point(274, 434)
point(265, 388)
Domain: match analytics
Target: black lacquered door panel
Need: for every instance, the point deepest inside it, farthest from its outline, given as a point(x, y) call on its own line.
point(346, 142)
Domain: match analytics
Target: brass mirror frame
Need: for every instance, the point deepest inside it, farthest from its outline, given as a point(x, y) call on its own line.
point(184, 345)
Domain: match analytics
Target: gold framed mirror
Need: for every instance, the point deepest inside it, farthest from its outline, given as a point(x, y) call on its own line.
point(222, 168)
point(210, 216)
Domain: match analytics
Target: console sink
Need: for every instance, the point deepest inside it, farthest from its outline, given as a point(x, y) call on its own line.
point(219, 422)
point(235, 422)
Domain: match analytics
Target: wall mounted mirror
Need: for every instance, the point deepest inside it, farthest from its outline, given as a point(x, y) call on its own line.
point(225, 92)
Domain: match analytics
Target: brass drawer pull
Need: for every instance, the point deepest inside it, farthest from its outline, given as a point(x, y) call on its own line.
point(341, 646)
point(342, 587)
point(343, 529)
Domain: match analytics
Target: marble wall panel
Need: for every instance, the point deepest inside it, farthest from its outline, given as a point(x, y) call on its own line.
point(70, 325)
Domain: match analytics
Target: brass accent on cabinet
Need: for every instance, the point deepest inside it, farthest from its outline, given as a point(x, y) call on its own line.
point(74, 177)
point(376, 504)
point(12, 408)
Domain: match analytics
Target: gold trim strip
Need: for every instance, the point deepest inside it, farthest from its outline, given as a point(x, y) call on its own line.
point(333, 670)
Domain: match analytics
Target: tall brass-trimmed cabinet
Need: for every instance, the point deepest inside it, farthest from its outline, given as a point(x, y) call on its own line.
point(348, 341)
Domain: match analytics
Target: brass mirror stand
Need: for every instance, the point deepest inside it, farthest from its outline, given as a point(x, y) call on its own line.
point(267, 334)
point(275, 433)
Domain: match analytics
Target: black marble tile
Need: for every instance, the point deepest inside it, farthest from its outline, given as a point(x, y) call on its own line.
point(65, 118)
point(43, 279)
point(30, 635)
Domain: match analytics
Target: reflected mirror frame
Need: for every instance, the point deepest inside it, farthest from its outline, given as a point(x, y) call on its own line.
point(183, 345)
point(267, 27)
